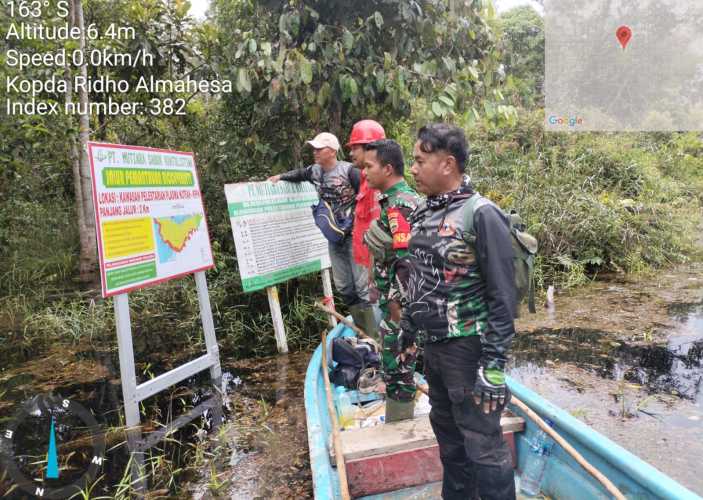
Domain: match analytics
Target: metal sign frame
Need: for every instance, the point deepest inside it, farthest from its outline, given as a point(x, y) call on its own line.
point(134, 393)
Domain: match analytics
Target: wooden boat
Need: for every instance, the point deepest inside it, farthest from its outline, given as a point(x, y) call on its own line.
point(401, 461)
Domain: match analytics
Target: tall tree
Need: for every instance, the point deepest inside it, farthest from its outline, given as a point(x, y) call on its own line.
point(523, 51)
point(87, 264)
point(319, 64)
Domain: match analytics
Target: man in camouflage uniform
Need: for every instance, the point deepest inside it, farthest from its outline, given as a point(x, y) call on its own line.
point(388, 238)
point(462, 295)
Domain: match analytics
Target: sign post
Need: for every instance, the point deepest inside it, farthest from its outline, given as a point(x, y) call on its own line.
point(279, 328)
point(329, 294)
point(151, 228)
point(276, 239)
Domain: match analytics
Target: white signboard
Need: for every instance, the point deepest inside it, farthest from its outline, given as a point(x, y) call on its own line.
point(274, 232)
point(149, 216)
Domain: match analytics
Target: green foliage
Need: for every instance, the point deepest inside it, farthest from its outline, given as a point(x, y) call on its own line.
point(27, 230)
point(317, 65)
point(164, 315)
point(596, 202)
point(36, 182)
point(522, 43)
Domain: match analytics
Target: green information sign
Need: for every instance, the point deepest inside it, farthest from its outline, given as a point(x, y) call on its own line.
point(274, 232)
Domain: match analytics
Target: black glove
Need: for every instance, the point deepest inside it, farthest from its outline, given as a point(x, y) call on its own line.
point(489, 389)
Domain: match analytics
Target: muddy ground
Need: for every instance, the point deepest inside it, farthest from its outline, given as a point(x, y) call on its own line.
point(266, 444)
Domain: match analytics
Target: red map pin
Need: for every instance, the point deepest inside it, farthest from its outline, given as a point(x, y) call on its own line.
point(624, 33)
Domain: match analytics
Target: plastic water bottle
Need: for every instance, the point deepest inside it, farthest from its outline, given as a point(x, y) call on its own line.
point(345, 408)
point(540, 449)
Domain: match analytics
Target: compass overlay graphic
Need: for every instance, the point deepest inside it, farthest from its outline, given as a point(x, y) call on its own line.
point(51, 448)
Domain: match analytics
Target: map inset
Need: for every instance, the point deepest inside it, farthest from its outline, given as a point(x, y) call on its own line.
point(624, 65)
point(173, 234)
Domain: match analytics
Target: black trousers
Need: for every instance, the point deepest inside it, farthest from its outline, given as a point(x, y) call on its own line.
point(476, 460)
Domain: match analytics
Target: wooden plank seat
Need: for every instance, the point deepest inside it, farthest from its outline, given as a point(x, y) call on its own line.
point(398, 455)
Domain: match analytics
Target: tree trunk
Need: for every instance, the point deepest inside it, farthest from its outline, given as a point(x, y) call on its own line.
point(336, 116)
point(88, 260)
point(75, 157)
point(297, 153)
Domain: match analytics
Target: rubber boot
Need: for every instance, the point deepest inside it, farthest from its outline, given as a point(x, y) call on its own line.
point(399, 410)
point(364, 318)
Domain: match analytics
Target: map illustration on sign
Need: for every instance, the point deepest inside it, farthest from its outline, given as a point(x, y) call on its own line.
point(623, 65)
point(149, 216)
point(173, 234)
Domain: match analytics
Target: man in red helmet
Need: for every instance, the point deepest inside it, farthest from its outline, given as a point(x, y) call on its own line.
point(367, 208)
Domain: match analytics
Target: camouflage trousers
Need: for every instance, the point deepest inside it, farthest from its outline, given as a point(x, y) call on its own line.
point(398, 371)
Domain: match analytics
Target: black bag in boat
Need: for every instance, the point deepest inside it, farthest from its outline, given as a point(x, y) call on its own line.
point(352, 356)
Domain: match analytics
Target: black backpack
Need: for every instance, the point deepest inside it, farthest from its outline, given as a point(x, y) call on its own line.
point(352, 357)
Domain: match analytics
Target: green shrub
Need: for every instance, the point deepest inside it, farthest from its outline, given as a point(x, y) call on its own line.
point(596, 202)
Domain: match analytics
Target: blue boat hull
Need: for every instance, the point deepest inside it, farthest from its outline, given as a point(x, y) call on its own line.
point(564, 478)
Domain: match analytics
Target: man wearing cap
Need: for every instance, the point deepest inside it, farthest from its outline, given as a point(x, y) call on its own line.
point(337, 183)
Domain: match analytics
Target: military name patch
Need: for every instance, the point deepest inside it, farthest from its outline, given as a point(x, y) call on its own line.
point(400, 228)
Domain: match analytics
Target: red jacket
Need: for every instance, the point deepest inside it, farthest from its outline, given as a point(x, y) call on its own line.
point(367, 209)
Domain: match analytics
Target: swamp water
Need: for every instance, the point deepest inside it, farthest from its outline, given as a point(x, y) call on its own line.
point(260, 450)
point(645, 396)
point(632, 371)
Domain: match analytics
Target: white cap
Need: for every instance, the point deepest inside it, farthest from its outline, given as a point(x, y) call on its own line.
point(325, 140)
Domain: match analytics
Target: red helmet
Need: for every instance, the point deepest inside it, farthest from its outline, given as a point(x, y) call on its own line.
point(366, 131)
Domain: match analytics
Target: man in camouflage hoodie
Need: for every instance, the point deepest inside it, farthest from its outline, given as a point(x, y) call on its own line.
point(462, 295)
point(387, 239)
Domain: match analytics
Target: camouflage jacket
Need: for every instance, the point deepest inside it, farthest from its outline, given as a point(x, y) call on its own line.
point(390, 273)
point(456, 289)
point(337, 186)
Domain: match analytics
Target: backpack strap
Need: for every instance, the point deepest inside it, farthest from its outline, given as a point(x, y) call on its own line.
point(354, 175)
point(321, 178)
point(472, 204)
point(418, 214)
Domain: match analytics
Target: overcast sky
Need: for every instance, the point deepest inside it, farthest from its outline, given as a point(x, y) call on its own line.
point(503, 5)
point(198, 7)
